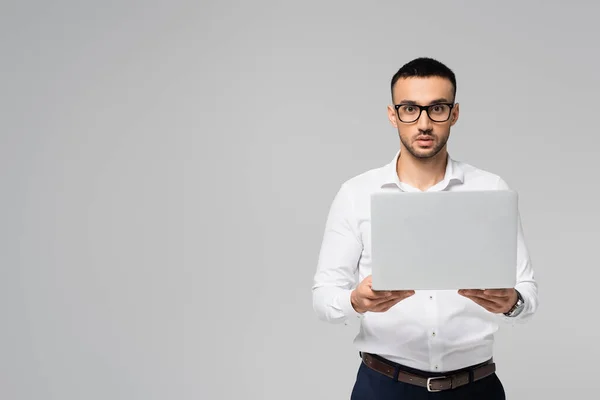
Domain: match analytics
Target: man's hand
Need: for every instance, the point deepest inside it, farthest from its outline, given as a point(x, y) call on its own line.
point(364, 298)
point(494, 300)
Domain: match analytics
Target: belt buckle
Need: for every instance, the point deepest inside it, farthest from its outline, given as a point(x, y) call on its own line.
point(429, 389)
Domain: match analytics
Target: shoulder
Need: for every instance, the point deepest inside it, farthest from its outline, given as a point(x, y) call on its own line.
point(365, 182)
point(354, 192)
point(481, 178)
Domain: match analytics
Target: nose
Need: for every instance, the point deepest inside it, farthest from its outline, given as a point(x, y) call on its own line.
point(424, 123)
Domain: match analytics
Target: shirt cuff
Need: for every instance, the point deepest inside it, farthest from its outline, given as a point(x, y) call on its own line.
point(345, 303)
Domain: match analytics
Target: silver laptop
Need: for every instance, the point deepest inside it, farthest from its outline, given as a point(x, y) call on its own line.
point(444, 240)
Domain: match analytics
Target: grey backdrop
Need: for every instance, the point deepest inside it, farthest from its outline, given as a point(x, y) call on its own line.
point(167, 169)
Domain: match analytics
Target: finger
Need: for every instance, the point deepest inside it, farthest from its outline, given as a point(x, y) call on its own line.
point(387, 304)
point(391, 294)
point(371, 303)
point(368, 291)
point(374, 294)
point(497, 292)
point(485, 303)
point(377, 294)
point(394, 298)
point(471, 292)
point(402, 291)
point(482, 296)
point(487, 293)
point(402, 294)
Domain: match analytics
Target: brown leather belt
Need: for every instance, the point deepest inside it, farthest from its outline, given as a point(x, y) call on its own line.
point(434, 383)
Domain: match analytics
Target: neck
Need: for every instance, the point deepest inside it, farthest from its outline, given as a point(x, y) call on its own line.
point(421, 173)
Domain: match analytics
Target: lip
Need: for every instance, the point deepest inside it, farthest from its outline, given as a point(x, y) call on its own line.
point(425, 140)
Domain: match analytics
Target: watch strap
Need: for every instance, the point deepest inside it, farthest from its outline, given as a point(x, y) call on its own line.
point(516, 308)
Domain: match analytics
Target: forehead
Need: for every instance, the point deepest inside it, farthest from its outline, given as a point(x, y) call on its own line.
point(423, 90)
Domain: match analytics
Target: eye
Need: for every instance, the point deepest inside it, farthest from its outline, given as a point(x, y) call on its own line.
point(439, 108)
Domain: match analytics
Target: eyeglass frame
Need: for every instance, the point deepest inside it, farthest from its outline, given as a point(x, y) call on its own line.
point(421, 108)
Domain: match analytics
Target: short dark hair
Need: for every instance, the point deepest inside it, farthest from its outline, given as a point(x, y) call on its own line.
point(424, 67)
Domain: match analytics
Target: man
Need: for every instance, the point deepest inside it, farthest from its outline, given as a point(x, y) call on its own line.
point(416, 344)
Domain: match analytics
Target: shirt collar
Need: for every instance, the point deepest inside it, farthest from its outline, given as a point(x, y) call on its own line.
point(454, 173)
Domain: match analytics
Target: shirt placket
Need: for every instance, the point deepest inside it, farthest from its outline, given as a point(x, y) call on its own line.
point(432, 326)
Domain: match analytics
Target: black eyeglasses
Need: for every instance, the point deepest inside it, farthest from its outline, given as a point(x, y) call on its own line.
point(438, 112)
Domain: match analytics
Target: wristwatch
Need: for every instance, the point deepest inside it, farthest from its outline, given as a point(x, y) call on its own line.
point(517, 308)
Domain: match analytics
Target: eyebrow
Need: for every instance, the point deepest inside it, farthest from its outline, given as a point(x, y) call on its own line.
point(414, 103)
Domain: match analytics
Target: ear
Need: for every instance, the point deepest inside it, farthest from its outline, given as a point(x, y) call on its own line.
point(392, 116)
point(455, 113)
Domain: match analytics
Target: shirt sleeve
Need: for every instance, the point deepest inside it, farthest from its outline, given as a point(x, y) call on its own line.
point(526, 283)
point(336, 274)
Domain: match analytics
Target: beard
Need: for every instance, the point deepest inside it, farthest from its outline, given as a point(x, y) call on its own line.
point(425, 153)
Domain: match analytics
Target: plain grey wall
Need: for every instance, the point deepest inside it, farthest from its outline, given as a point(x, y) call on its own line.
point(167, 169)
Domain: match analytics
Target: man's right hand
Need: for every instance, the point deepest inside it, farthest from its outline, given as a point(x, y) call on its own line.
point(364, 298)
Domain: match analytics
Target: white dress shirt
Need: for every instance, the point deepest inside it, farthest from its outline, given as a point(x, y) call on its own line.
point(433, 330)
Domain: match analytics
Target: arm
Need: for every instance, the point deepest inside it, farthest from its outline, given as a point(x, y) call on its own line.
point(500, 301)
point(340, 252)
point(526, 283)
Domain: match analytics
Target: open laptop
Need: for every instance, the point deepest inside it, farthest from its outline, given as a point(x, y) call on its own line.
point(444, 240)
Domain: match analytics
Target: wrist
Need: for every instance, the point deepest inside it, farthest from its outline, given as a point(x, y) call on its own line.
point(354, 302)
point(517, 306)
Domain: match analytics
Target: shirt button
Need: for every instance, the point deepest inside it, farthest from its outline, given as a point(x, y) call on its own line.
point(433, 334)
point(436, 367)
point(430, 297)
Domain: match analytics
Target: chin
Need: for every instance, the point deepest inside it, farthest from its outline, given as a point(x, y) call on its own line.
point(429, 153)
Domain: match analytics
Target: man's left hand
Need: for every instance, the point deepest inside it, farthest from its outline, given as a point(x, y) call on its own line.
point(494, 300)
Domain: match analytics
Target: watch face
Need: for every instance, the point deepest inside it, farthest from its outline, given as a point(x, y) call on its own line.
point(519, 300)
point(517, 308)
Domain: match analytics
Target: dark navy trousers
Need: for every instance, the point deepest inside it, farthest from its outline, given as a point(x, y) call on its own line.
point(373, 385)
